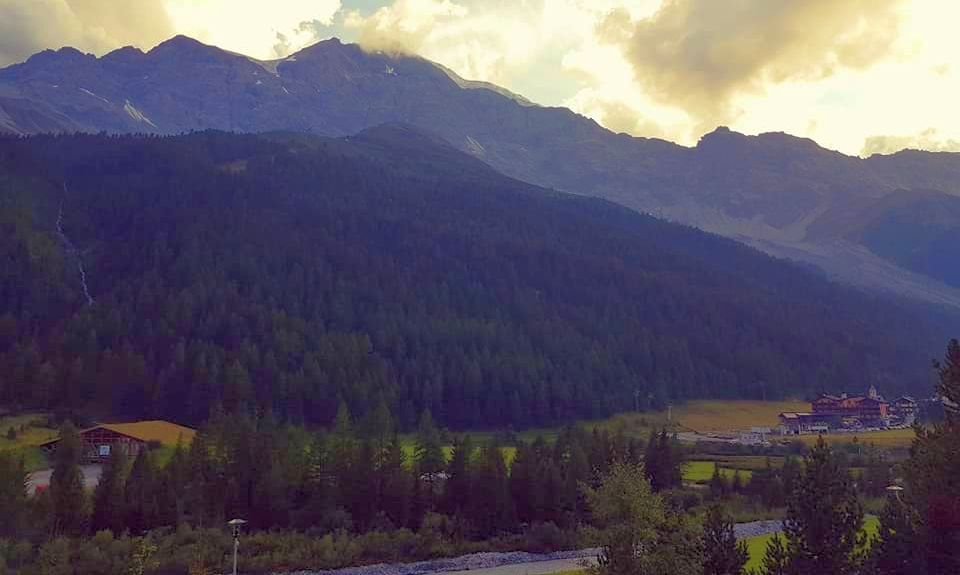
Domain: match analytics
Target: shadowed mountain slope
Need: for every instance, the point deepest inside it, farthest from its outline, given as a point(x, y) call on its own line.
point(285, 272)
point(764, 190)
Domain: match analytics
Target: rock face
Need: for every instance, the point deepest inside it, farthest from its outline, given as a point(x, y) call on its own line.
point(776, 192)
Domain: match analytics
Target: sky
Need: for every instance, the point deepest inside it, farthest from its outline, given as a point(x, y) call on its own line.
point(858, 76)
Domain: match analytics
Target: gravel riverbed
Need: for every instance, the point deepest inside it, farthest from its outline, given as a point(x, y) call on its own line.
point(511, 563)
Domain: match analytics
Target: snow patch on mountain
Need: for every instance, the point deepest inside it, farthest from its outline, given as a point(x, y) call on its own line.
point(475, 148)
point(269, 66)
point(136, 114)
point(88, 92)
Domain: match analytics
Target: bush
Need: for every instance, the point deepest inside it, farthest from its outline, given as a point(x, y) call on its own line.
point(547, 537)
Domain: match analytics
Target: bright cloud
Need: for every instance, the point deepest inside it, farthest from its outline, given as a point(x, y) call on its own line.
point(28, 26)
point(258, 28)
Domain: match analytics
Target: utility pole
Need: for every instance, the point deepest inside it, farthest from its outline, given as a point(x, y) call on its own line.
point(235, 525)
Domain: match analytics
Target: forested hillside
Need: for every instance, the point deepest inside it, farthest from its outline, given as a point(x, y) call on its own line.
point(286, 273)
point(775, 192)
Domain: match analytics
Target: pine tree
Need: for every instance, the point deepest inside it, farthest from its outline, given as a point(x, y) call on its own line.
point(723, 555)
point(949, 384)
point(895, 548)
point(933, 476)
point(736, 485)
point(429, 456)
point(13, 494)
point(549, 491)
point(775, 560)
point(491, 507)
point(396, 485)
point(718, 485)
point(824, 517)
point(456, 493)
point(378, 426)
point(175, 481)
point(108, 497)
point(66, 484)
point(362, 486)
point(522, 487)
point(140, 495)
point(576, 472)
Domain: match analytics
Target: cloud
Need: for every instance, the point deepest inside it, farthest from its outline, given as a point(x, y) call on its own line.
point(699, 55)
point(403, 27)
point(264, 29)
point(28, 26)
point(929, 139)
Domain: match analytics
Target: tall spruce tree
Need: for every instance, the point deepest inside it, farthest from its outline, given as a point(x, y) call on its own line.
point(522, 486)
point(141, 495)
point(717, 485)
point(429, 456)
point(723, 555)
point(949, 384)
point(776, 560)
point(491, 507)
point(824, 517)
point(108, 497)
point(456, 492)
point(895, 549)
point(396, 485)
point(933, 475)
point(13, 494)
point(66, 484)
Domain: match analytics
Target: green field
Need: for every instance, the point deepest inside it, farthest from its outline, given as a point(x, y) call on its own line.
point(757, 546)
point(30, 431)
point(887, 438)
point(712, 416)
point(702, 471)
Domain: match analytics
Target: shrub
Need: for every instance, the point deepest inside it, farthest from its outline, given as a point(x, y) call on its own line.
point(547, 537)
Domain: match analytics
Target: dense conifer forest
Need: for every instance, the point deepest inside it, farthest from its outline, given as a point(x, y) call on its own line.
point(148, 277)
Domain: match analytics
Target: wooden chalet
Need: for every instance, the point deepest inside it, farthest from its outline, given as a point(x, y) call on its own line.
point(100, 441)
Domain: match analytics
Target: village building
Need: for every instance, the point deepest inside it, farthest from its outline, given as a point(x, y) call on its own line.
point(100, 441)
point(848, 412)
point(903, 411)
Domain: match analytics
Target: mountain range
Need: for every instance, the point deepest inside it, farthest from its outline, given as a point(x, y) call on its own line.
point(784, 195)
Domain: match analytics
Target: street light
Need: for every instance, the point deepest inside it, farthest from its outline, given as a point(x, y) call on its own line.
point(235, 525)
point(895, 491)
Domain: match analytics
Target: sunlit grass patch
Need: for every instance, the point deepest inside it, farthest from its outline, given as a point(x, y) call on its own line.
point(888, 438)
point(702, 471)
point(757, 546)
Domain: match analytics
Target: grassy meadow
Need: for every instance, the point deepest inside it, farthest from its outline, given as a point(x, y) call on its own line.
point(29, 431)
point(757, 546)
point(702, 471)
point(709, 416)
point(886, 438)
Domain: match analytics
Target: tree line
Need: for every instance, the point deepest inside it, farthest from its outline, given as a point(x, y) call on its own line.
point(357, 496)
point(359, 477)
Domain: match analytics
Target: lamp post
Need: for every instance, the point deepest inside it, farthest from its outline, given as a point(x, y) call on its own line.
point(235, 525)
point(895, 491)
